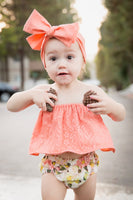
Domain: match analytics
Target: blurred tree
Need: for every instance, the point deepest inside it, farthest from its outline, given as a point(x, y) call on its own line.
point(15, 13)
point(85, 72)
point(115, 57)
point(8, 41)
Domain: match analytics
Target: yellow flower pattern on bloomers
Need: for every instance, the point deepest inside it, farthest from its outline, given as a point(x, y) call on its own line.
point(72, 172)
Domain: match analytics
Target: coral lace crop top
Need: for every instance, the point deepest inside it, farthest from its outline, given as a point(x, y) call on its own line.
point(69, 128)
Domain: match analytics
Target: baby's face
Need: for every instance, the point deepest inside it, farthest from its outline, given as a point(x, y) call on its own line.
point(63, 63)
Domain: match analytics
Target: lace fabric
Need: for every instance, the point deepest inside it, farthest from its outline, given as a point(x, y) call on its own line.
point(69, 128)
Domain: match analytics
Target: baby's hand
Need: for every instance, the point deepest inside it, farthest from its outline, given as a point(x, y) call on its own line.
point(48, 106)
point(41, 98)
point(104, 104)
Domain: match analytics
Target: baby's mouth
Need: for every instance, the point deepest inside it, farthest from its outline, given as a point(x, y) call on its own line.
point(62, 73)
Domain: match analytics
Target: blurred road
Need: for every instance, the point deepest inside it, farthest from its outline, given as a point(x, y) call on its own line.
point(16, 166)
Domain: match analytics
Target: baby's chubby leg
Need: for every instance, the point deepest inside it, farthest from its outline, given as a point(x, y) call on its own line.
point(87, 190)
point(51, 188)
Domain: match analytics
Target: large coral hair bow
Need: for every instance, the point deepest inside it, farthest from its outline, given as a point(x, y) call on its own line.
point(42, 31)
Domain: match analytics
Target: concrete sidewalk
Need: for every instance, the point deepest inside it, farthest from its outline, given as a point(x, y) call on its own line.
point(23, 188)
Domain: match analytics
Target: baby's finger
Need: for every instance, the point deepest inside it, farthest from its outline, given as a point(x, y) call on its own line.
point(44, 107)
point(94, 105)
point(39, 105)
point(49, 101)
point(52, 96)
point(97, 110)
point(95, 97)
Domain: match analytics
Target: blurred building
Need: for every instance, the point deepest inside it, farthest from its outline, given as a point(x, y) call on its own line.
point(13, 73)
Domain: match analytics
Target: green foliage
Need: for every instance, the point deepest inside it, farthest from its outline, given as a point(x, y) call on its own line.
point(115, 57)
point(7, 38)
point(15, 13)
point(85, 73)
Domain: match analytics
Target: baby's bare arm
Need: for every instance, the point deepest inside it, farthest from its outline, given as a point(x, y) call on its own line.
point(37, 95)
point(19, 101)
point(107, 105)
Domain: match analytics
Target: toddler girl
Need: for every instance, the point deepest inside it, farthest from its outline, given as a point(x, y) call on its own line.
point(70, 134)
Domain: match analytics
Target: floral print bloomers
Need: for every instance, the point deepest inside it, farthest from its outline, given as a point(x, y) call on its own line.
point(73, 172)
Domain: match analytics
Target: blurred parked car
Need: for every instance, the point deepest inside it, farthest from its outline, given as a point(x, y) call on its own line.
point(6, 91)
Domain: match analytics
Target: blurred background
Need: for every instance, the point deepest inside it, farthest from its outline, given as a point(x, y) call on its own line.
point(106, 25)
point(108, 30)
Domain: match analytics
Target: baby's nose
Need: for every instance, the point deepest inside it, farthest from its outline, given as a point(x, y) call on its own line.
point(62, 64)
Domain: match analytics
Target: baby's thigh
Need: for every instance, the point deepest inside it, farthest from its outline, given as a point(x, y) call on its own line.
point(51, 188)
point(87, 190)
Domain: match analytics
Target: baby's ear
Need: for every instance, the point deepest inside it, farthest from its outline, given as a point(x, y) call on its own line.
point(83, 65)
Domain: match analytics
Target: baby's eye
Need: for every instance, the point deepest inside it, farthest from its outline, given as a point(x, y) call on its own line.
point(53, 58)
point(69, 57)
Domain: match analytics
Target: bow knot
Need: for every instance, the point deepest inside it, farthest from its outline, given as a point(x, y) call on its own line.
point(50, 32)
